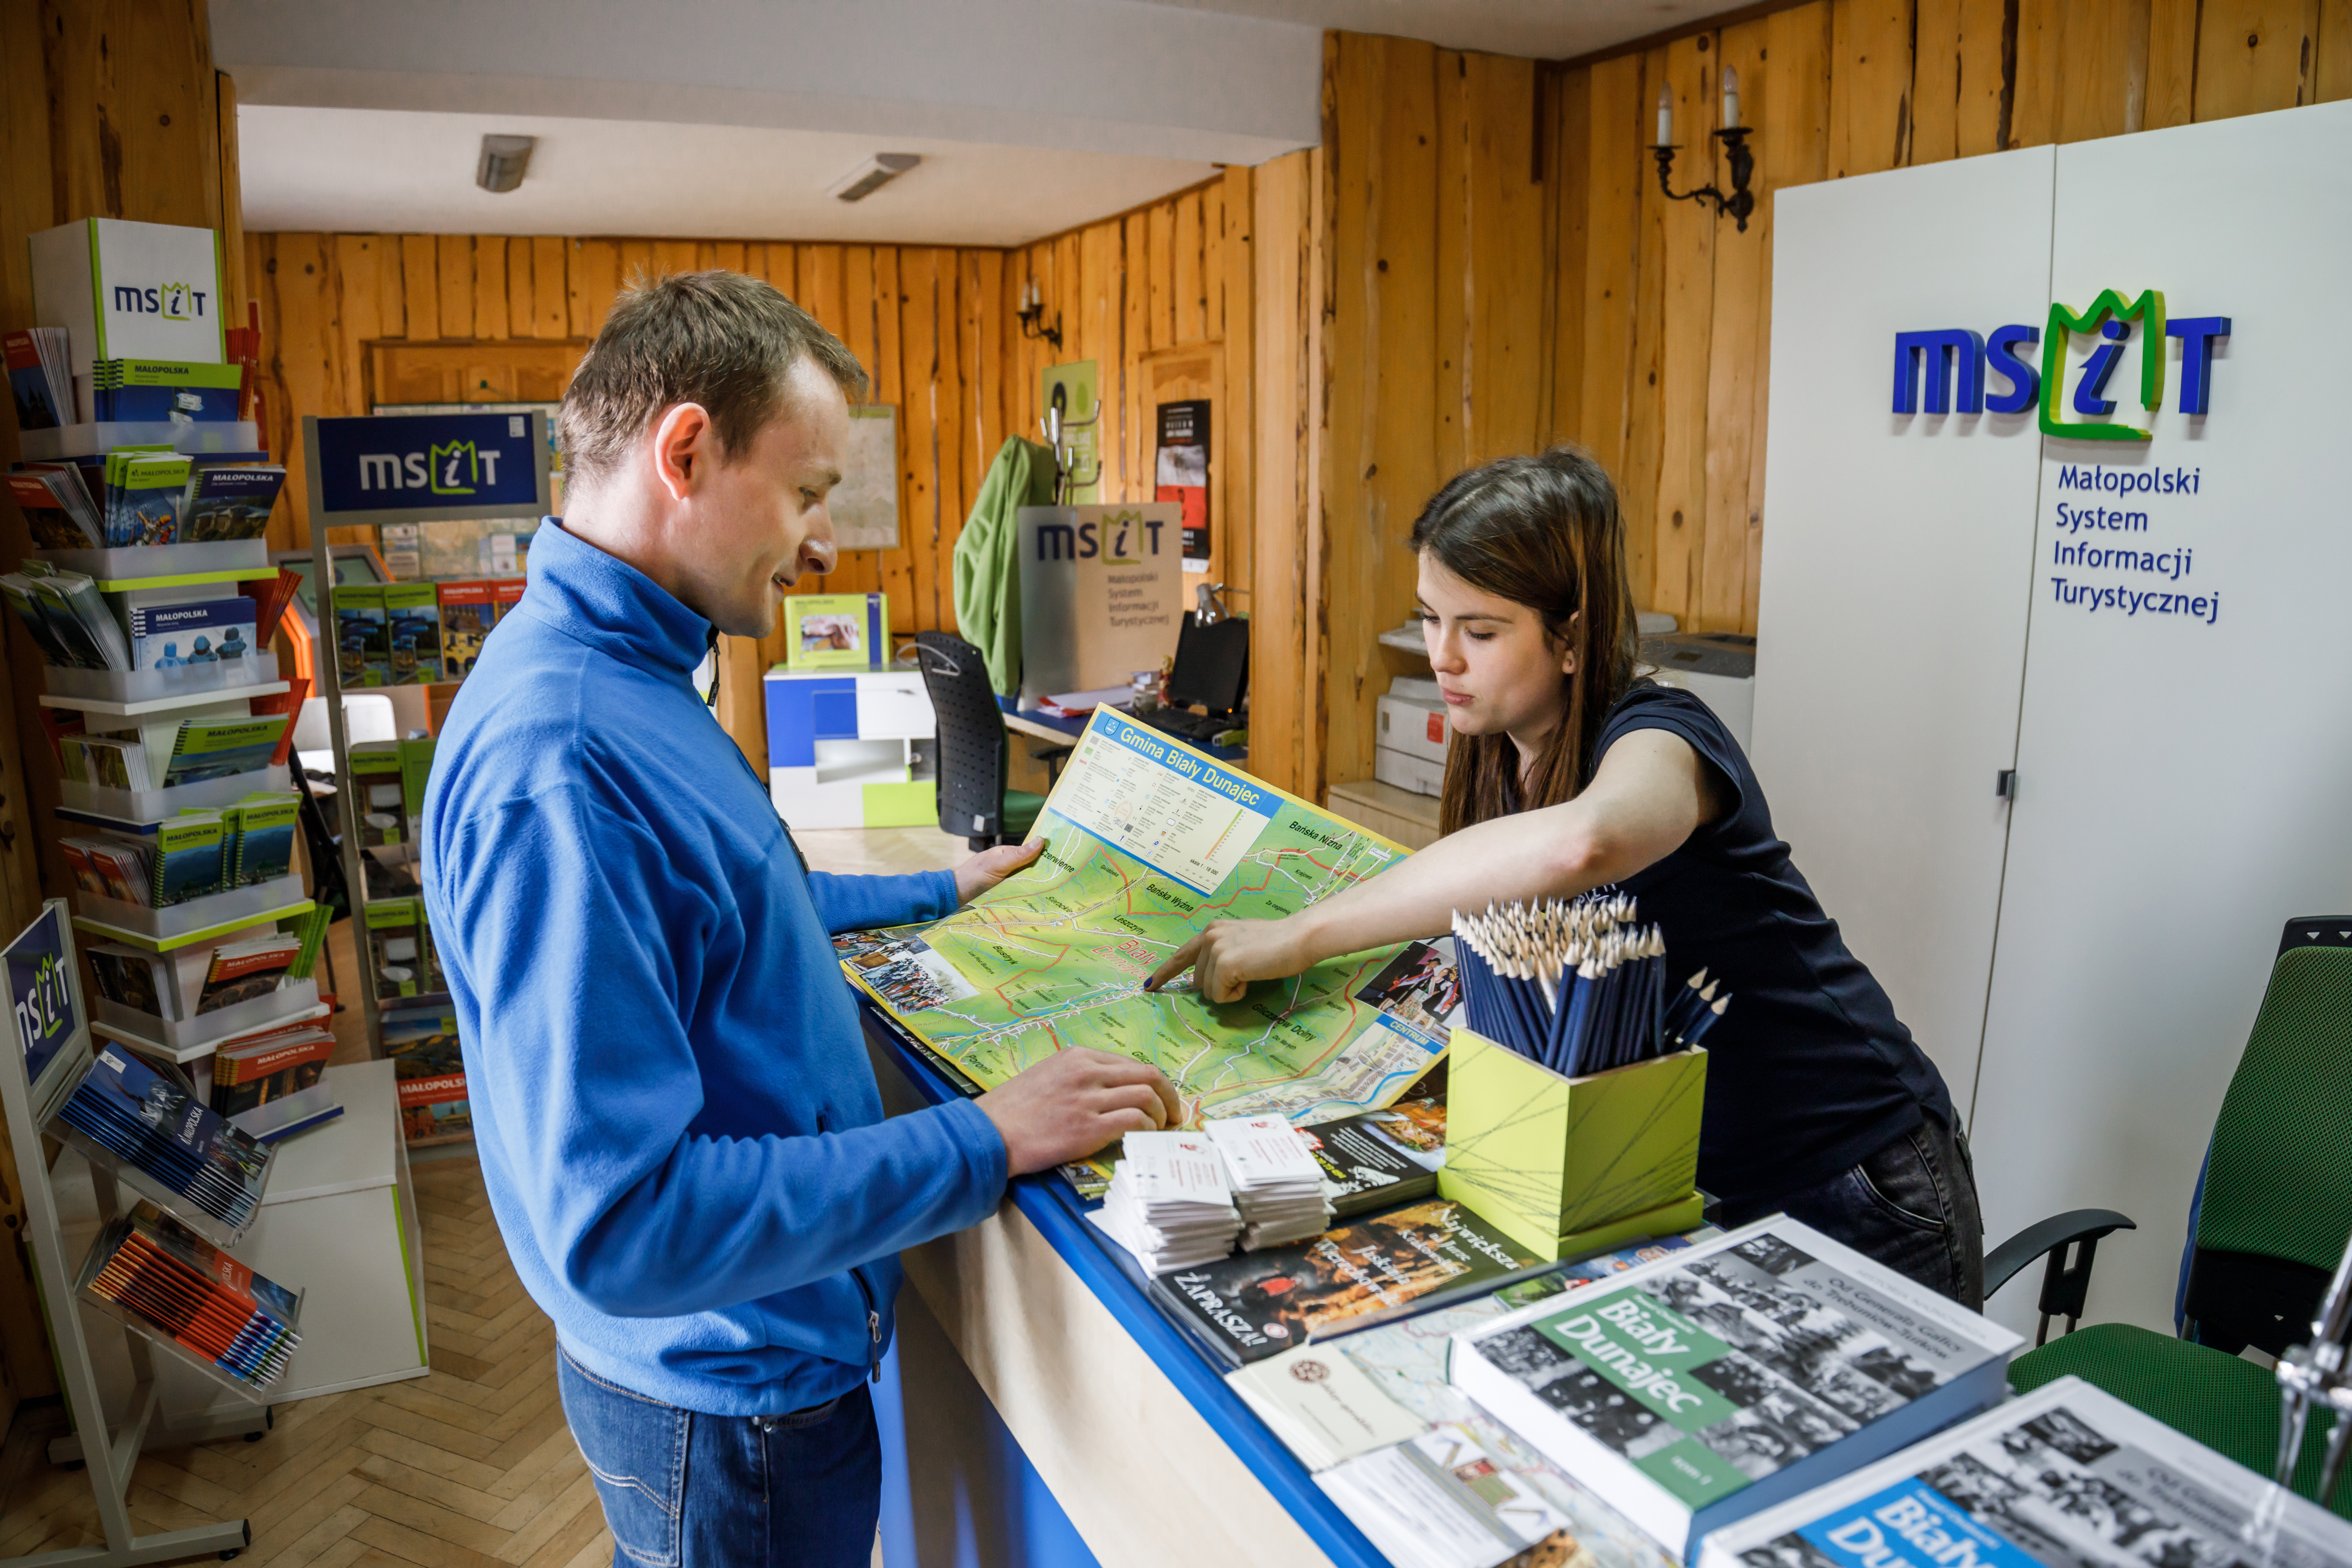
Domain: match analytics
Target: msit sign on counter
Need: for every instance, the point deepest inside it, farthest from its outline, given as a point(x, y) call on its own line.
point(414, 467)
point(1952, 362)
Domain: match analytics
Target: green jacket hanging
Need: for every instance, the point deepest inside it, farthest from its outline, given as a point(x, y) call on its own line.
point(987, 563)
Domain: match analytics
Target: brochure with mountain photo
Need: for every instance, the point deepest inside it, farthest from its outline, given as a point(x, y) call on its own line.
point(2065, 1477)
point(1696, 1390)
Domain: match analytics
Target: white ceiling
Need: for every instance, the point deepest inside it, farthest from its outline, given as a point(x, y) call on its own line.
point(412, 171)
point(729, 118)
point(1540, 29)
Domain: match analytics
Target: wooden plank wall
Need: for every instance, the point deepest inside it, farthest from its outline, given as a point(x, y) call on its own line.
point(1171, 282)
point(1644, 325)
point(921, 320)
point(932, 325)
point(108, 109)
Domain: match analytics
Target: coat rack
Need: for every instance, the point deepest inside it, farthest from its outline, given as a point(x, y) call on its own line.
point(1056, 427)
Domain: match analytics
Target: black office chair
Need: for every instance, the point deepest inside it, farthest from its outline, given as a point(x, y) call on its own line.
point(974, 749)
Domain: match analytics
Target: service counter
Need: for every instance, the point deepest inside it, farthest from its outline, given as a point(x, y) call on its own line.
point(1149, 1454)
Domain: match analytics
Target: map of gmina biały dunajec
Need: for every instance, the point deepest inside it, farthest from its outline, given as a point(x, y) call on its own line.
point(1146, 842)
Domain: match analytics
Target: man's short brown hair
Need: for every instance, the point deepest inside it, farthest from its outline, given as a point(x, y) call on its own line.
point(720, 339)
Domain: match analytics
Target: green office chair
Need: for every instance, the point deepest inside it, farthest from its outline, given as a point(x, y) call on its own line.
point(974, 750)
point(2272, 1209)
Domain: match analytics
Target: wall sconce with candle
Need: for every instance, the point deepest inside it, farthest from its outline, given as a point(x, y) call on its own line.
point(1032, 316)
point(1741, 202)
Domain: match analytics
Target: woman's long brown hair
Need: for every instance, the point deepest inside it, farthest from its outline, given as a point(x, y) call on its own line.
point(1544, 532)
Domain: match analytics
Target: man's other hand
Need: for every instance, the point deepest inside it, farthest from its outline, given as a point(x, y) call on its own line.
point(989, 866)
point(1073, 1103)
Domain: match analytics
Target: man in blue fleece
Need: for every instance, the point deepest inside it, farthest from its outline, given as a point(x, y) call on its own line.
point(679, 1128)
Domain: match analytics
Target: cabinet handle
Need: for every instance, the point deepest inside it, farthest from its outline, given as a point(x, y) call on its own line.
point(2004, 786)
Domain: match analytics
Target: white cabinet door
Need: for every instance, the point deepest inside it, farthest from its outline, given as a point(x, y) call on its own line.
point(893, 707)
point(2183, 778)
point(1896, 550)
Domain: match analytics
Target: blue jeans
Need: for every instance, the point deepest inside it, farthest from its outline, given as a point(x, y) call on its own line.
point(1912, 1205)
point(683, 1489)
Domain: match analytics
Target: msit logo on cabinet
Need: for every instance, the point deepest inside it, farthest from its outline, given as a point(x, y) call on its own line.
point(1952, 362)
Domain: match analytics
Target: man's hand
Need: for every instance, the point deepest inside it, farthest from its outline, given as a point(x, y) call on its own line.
point(1228, 955)
point(989, 866)
point(1074, 1102)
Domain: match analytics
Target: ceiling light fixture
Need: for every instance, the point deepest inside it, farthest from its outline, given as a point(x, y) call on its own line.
point(872, 175)
point(504, 160)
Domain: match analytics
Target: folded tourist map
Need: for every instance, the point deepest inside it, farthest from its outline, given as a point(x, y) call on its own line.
point(1148, 840)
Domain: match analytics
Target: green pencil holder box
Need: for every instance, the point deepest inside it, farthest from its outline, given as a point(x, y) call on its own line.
point(1571, 1165)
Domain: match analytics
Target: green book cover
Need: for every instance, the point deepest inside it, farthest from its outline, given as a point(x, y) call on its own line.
point(222, 748)
point(143, 499)
point(187, 856)
point(415, 773)
point(1671, 1389)
point(394, 952)
point(312, 929)
point(362, 636)
point(413, 628)
point(376, 779)
point(265, 838)
point(837, 631)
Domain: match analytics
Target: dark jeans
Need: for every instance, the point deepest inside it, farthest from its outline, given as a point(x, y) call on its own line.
point(682, 1490)
point(1912, 1205)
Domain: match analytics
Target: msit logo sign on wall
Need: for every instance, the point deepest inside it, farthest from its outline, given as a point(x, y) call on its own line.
point(457, 465)
point(1952, 362)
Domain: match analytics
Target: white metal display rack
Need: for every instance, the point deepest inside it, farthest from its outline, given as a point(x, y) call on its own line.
point(331, 508)
point(51, 1053)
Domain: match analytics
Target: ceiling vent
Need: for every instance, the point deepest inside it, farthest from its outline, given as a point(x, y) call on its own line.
point(872, 175)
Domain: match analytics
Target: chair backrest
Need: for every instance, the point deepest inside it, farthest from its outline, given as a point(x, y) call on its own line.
point(973, 752)
point(2276, 1204)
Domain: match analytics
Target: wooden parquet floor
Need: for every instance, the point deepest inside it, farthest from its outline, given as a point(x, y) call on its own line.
point(470, 1467)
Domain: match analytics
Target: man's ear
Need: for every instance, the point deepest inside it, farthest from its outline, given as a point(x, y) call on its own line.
point(684, 446)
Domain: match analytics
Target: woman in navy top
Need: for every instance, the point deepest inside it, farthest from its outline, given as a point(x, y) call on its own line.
point(1567, 773)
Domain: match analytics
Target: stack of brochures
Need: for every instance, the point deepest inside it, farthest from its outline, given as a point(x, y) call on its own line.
point(1277, 1184)
point(1376, 1159)
point(197, 852)
point(163, 390)
point(1695, 1391)
point(196, 979)
point(1169, 1202)
point(40, 374)
point(174, 751)
point(181, 1289)
point(1253, 1305)
point(260, 1068)
point(134, 1119)
point(2068, 1474)
point(1438, 1502)
point(58, 507)
point(68, 617)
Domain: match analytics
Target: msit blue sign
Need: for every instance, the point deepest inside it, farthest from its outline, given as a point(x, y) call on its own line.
point(456, 465)
point(1952, 362)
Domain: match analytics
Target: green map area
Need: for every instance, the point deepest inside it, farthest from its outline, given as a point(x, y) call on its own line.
point(1141, 851)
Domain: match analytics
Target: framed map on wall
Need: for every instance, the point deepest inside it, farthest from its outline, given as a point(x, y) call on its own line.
point(865, 505)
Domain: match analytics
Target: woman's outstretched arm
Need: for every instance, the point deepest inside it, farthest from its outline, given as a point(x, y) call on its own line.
point(1649, 795)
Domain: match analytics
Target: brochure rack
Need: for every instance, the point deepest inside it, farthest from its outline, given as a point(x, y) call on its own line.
point(50, 1054)
point(345, 493)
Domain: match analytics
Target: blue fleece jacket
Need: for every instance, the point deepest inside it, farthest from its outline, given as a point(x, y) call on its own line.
point(678, 1124)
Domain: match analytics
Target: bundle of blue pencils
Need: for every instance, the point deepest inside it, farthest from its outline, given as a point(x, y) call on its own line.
point(1576, 983)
